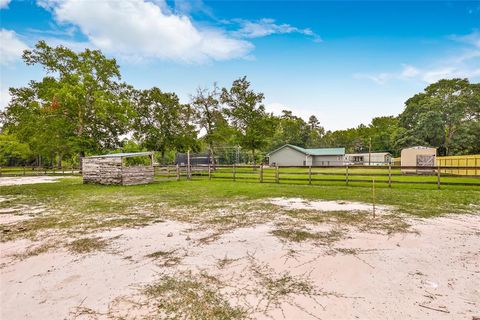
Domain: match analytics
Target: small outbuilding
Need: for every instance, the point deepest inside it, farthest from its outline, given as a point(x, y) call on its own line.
point(369, 159)
point(119, 168)
point(290, 155)
point(418, 156)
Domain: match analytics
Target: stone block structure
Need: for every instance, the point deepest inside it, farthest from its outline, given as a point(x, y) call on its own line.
point(111, 169)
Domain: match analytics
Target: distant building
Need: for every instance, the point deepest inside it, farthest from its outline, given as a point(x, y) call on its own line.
point(366, 159)
point(290, 155)
point(418, 156)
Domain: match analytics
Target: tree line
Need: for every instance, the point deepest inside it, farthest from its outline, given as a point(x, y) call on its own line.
point(82, 107)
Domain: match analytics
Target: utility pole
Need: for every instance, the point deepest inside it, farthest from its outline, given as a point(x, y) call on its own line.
point(369, 150)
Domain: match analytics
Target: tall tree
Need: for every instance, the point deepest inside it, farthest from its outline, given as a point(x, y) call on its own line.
point(290, 129)
point(210, 117)
point(316, 132)
point(79, 102)
point(247, 113)
point(162, 122)
point(445, 115)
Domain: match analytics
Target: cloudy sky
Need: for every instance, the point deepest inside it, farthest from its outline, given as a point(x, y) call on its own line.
point(345, 62)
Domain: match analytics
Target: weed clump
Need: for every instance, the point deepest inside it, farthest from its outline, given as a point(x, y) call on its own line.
point(86, 245)
point(186, 296)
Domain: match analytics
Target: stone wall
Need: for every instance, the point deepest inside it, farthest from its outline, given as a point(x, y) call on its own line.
point(110, 171)
point(137, 175)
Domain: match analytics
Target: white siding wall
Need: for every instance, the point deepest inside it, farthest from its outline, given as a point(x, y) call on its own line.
point(287, 157)
point(327, 161)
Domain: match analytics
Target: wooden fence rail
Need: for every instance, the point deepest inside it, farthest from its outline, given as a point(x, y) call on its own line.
point(348, 175)
point(37, 171)
point(388, 175)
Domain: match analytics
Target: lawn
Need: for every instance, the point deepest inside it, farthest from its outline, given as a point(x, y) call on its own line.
point(71, 204)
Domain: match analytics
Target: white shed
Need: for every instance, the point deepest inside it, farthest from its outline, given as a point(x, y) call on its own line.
point(418, 156)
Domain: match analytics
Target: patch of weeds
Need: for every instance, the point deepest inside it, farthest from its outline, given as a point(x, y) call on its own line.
point(299, 235)
point(362, 220)
point(184, 296)
point(277, 288)
point(347, 250)
point(28, 228)
point(35, 251)
point(86, 245)
point(167, 258)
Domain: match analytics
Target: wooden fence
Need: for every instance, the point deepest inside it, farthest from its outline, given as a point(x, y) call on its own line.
point(37, 171)
point(471, 162)
point(348, 175)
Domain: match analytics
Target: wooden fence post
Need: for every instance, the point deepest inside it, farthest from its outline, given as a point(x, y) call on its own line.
point(346, 175)
point(209, 172)
point(438, 177)
point(188, 166)
point(277, 175)
point(389, 175)
point(373, 196)
point(234, 172)
point(178, 172)
point(261, 173)
point(309, 174)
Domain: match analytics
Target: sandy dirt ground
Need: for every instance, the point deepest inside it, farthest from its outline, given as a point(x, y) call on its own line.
point(431, 273)
point(10, 181)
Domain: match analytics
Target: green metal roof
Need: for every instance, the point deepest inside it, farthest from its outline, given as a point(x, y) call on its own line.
point(315, 152)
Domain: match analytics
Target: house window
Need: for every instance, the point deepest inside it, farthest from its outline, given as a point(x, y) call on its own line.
point(358, 159)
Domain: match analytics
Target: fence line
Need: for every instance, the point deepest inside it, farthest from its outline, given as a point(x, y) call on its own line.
point(470, 164)
point(388, 175)
point(37, 171)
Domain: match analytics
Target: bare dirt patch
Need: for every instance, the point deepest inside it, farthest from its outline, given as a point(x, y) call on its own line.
point(15, 181)
point(282, 268)
point(299, 203)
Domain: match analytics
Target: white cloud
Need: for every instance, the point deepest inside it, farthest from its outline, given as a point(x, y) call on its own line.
point(4, 4)
point(466, 64)
point(472, 38)
point(4, 98)
point(11, 48)
point(266, 27)
point(139, 29)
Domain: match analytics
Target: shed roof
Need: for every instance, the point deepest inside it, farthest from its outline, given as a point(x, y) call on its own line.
point(314, 152)
point(123, 155)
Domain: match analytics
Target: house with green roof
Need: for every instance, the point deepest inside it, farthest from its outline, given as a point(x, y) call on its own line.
point(290, 155)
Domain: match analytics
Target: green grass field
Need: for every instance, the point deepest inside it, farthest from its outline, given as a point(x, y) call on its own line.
point(71, 204)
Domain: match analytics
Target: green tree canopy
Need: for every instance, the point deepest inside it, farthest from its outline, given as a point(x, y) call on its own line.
point(247, 114)
point(445, 115)
point(77, 107)
point(162, 122)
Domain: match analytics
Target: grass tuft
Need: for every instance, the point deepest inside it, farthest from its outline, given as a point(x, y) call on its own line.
point(191, 297)
point(86, 245)
point(299, 235)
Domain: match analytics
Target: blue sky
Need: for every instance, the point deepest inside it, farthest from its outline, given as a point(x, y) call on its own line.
point(344, 61)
